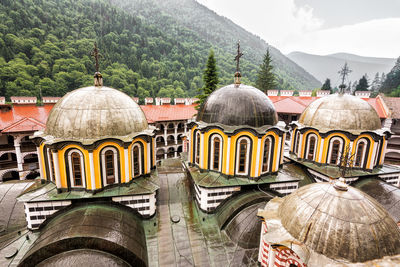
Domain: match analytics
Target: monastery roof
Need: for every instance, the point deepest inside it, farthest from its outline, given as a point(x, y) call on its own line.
point(155, 113)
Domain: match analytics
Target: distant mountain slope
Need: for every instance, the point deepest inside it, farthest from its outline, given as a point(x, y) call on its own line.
point(187, 20)
point(323, 67)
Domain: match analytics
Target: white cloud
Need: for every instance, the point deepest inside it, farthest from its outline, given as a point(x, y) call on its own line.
point(295, 28)
point(379, 38)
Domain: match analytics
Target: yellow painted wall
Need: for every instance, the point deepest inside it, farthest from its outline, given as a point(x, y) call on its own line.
point(371, 147)
point(303, 144)
point(326, 144)
point(144, 144)
point(43, 161)
point(206, 144)
point(97, 159)
point(62, 164)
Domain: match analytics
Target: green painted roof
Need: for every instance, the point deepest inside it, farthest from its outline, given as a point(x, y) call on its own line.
point(48, 191)
point(211, 179)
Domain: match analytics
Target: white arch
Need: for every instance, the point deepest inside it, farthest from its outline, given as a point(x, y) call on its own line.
point(365, 142)
point(139, 160)
point(296, 143)
point(269, 155)
point(71, 175)
point(330, 149)
point(216, 136)
point(308, 146)
point(103, 161)
point(247, 158)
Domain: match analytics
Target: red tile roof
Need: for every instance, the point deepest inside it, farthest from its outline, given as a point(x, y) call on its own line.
point(168, 112)
point(24, 117)
point(19, 112)
point(25, 125)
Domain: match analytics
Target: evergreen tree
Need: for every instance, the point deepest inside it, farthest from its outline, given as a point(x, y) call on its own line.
point(363, 84)
point(376, 83)
point(392, 79)
point(327, 85)
point(266, 76)
point(210, 79)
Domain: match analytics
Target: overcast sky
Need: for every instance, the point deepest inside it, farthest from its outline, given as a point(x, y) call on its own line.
point(362, 27)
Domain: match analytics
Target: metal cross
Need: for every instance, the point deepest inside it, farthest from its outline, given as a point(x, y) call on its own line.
point(344, 72)
point(238, 56)
point(95, 53)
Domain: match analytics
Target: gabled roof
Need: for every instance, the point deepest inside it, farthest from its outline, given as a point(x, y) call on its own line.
point(155, 113)
point(393, 104)
point(25, 125)
point(19, 112)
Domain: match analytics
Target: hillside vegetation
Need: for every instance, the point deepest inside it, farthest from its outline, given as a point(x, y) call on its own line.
point(45, 50)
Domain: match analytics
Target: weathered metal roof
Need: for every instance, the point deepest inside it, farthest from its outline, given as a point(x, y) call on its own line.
point(94, 113)
point(341, 225)
point(48, 191)
point(335, 172)
point(387, 195)
point(12, 216)
point(109, 228)
point(83, 257)
point(341, 112)
point(238, 105)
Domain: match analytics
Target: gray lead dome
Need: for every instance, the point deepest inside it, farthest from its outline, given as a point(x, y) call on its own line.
point(238, 105)
point(95, 113)
point(348, 225)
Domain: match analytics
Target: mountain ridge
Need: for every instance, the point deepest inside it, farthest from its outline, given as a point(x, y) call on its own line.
point(327, 66)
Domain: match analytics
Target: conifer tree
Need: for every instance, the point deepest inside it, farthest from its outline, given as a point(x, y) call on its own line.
point(210, 79)
point(266, 76)
point(363, 84)
point(327, 85)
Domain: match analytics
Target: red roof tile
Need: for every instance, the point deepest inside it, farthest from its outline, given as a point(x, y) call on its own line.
point(19, 112)
point(25, 125)
point(168, 112)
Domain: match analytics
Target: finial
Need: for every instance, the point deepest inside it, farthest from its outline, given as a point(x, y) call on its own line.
point(340, 184)
point(344, 72)
point(98, 78)
point(237, 59)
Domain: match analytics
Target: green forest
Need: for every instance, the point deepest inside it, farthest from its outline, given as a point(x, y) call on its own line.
point(45, 50)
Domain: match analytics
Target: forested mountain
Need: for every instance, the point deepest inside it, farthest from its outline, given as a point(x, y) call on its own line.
point(45, 49)
point(323, 67)
point(189, 21)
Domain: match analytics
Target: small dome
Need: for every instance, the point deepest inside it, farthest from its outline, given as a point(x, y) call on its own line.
point(341, 112)
point(238, 105)
point(95, 113)
point(340, 224)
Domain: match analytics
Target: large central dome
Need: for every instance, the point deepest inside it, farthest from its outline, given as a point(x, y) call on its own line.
point(236, 105)
point(93, 113)
point(341, 112)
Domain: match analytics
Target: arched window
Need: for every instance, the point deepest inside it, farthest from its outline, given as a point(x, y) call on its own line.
point(311, 147)
point(110, 171)
point(76, 168)
point(335, 152)
point(266, 154)
point(136, 160)
point(197, 148)
point(242, 155)
point(216, 153)
point(360, 153)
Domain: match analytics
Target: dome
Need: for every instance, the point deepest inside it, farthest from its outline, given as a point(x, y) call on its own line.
point(341, 112)
point(238, 105)
point(340, 224)
point(95, 113)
